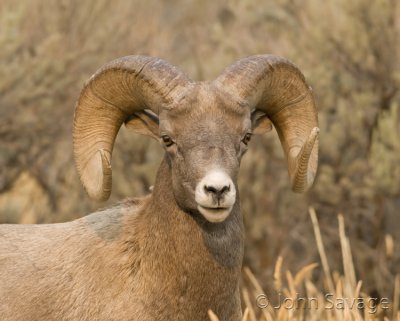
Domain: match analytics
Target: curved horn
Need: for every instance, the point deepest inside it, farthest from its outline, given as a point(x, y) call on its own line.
point(277, 87)
point(117, 90)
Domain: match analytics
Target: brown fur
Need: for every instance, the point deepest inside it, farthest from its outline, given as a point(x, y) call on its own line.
point(128, 262)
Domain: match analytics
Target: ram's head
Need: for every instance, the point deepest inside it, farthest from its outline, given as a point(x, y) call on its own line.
point(204, 127)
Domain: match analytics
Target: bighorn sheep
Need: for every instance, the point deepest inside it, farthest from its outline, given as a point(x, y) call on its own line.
point(177, 252)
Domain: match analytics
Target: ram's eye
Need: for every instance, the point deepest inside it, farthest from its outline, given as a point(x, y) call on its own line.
point(246, 139)
point(167, 140)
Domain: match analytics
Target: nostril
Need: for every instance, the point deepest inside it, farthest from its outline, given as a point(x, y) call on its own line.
point(226, 188)
point(217, 191)
point(210, 189)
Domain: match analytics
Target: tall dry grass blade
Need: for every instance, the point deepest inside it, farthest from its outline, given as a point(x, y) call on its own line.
point(304, 273)
point(247, 302)
point(338, 293)
point(389, 246)
point(290, 281)
point(253, 280)
point(268, 316)
point(335, 276)
point(246, 315)
point(396, 297)
point(277, 273)
point(268, 311)
point(358, 289)
point(367, 315)
point(311, 289)
point(321, 250)
point(212, 316)
point(356, 314)
point(348, 266)
point(350, 289)
point(282, 315)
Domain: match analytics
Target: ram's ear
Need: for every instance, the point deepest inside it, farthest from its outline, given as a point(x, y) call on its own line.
point(260, 122)
point(144, 122)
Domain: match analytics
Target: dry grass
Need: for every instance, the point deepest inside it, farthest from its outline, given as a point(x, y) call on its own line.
point(340, 298)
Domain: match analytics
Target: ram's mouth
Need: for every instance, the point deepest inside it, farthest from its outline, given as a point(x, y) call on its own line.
point(214, 214)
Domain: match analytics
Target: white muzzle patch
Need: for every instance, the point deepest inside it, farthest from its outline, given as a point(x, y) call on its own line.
point(215, 196)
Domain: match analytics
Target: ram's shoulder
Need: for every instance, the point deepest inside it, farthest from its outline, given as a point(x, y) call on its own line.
point(108, 223)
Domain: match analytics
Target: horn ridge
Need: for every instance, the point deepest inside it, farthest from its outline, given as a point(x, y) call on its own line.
point(117, 90)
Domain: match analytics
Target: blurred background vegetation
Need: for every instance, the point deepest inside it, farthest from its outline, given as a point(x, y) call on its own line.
point(348, 50)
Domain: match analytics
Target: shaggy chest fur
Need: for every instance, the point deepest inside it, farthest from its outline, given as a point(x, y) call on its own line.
point(190, 270)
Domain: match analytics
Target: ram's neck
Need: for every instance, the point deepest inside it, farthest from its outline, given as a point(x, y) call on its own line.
point(223, 241)
point(197, 262)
